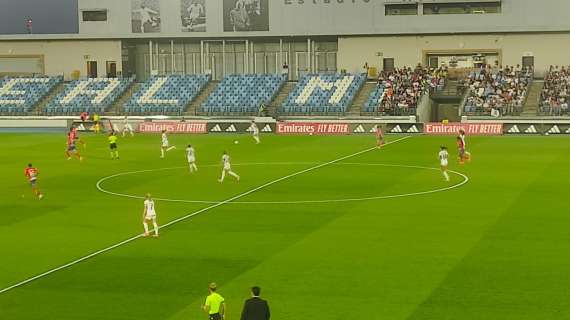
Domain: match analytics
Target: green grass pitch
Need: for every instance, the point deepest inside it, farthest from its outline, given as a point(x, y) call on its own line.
point(495, 248)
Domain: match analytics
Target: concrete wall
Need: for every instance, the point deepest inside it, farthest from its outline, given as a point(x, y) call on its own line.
point(63, 57)
point(548, 49)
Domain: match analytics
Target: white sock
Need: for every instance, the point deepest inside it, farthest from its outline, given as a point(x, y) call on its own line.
point(195, 167)
point(155, 228)
point(145, 227)
point(256, 139)
point(162, 152)
point(446, 175)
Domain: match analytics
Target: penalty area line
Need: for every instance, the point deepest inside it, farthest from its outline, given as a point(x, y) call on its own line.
point(190, 215)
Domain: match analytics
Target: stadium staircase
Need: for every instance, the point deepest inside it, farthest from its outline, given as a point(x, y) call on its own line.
point(117, 107)
point(40, 107)
point(360, 99)
point(194, 107)
point(530, 108)
point(273, 107)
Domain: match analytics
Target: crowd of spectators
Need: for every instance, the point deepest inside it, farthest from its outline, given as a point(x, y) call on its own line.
point(496, 90)
point(556, 92)
point(404, 87)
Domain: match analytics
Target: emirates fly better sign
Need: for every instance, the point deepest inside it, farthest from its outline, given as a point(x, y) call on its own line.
point(488, 129)
point(312, 128)
point(173, 127)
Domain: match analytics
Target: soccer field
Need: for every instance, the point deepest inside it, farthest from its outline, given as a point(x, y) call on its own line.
point(327, 226)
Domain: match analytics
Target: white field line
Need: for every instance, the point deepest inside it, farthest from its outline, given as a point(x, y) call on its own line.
point(131, 239)
point(369, 198)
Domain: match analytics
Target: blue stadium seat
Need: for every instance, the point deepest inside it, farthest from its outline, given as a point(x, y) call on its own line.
point(21, 94)
point(323, 93)
point(93, 95)
point(166, 94)
point(243, 93)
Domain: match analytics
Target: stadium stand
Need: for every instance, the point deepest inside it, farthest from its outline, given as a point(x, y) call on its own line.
point(399, 92)
point(554, 95)
point(21, 94)
point(497, 91)
point(91, 95)
point(323, 93)
point(243, 93)
point(166, 94)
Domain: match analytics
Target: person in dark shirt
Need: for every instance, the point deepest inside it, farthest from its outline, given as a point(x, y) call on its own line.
point(255, 308)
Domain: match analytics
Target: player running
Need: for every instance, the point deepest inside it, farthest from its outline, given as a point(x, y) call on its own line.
point(72, 149)
point(32, 174)
point(255, 132)
point(165, 145)
point(113, 145)
point(463, 154)
point(74, 134)
point(227, 168)
point(443, 161)
point(379, 136)
point(191, 157)
point(127, 127)
point(149, 214)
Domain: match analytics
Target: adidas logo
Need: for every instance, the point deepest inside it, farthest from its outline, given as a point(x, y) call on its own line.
point(231, 128)
point(413, 129)
point(267, 128)
point(514, 129)
point(397, 129)
point(216, 128)
point(554, 129)
point(249, 129)
point(568, 131)
point(373, 130)
point(81, 127)
point(359, 129)
point(530, 129)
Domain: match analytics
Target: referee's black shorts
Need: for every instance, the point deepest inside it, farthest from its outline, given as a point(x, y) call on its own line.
point(215, 316)
point(113, 146)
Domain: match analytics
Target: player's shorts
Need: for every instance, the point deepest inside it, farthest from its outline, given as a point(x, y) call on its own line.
point(113, 146)
point(191, 160)
point(165, 145)
point(227, 167)
point(33, 182)
point(461, 151)
point(444, 163)
point(150, 216)
point(71, 148)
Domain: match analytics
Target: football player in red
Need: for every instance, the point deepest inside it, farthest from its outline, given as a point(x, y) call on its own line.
point(31, 174)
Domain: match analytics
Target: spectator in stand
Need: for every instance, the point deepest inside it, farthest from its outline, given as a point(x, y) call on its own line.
point(404, 87)
point(554, 95)
point(500, 89)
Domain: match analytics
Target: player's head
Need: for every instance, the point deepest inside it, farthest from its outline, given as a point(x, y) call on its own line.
point(255, 291)
point(126, 117)
point(163, 131)
point(225, 152)
point(29, 165)
point(443, 148)
point(147, 196)
point(253, 121)
point(189, 146)
point(461, 131)
point(213, 286)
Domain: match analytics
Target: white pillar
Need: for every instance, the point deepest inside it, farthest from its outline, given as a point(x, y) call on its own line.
point(150, 55)
point(309, 55)
point(173, 64)
point(223, 58)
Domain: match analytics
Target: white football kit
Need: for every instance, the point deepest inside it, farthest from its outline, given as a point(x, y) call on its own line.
point(443, 156)
point(149, 209)
point(165, 143)
point(190, 154)
point(226, 161)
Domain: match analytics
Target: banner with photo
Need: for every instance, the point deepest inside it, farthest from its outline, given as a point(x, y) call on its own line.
point(246, 15)
point(193, 15)
point(145, 16)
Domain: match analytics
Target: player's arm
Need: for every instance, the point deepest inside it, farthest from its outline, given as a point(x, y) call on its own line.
point(144, 212)
point(206, 306)
point(223, 309)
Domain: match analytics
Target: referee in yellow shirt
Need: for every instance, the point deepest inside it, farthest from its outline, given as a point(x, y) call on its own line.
point(113, 145)
point(215, 305)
